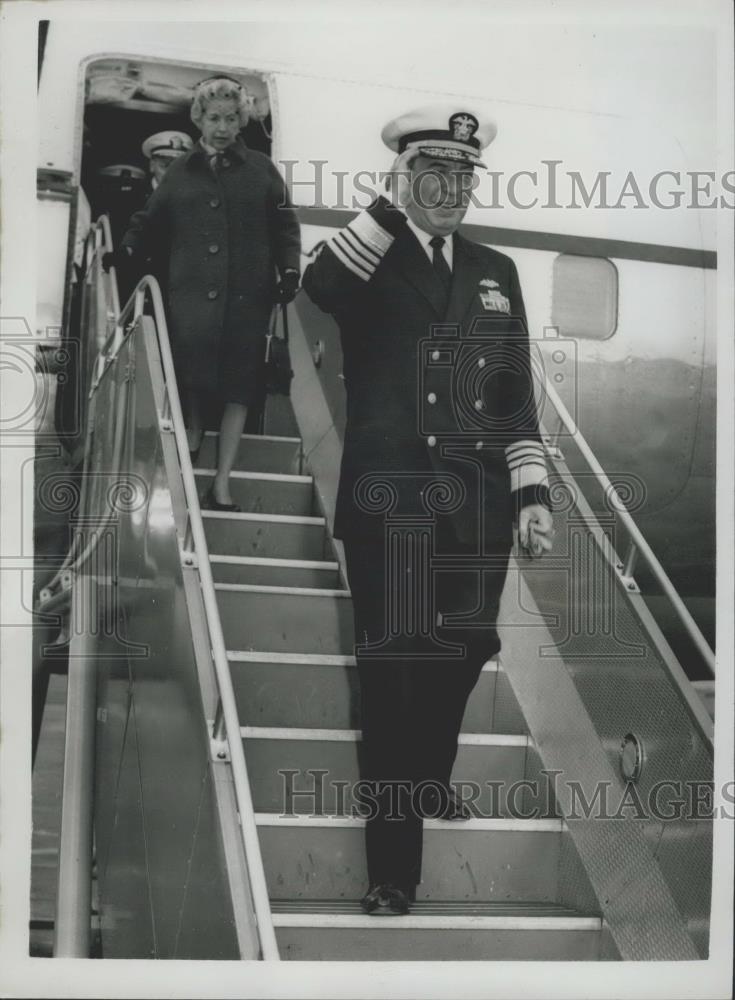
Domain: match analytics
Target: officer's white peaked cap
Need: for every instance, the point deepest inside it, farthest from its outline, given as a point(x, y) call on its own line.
point(166, 144)
point(443, 132)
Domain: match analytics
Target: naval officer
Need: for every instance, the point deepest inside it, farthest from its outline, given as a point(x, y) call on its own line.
point(161, 149)
point(410, 294)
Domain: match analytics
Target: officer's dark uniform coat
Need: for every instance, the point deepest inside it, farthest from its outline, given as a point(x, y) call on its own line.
point(222, 236)
point(396, 394)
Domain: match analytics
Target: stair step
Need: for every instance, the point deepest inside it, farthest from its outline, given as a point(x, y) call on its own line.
point(273, 536)
point(493, 860)
point(340, 931)
point(292, 689)
point(275, 572)
point(256, 453)
point(283, 619)
point(316, 770)
point(265, 492)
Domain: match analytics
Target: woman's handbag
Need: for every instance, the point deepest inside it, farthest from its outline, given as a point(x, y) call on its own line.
point(278, 371)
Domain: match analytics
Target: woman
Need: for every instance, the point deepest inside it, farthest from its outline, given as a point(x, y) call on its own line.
point(222, 220)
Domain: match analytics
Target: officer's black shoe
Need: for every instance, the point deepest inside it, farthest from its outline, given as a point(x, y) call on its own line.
point(444, 803)
point(386, 898)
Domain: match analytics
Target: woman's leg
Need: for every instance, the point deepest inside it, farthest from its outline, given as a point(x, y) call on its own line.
point(233, 421)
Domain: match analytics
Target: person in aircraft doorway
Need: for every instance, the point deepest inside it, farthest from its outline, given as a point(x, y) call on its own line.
point(407, 292)
point(223, 220)
point(161, 149)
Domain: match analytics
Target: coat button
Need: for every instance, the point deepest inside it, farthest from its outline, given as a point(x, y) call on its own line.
point(431, 397)
point(214, 203)
point(435, 355)
point(478, 446)
point(214, 248)
point(479, 405)
point(480, 362)
point(225, 162)
point(212, 293)
point(431, 440)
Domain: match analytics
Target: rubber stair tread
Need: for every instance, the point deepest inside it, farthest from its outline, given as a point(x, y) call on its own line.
point(280, 562)
point(302, 659)
point(310, 659)
point(260, 437)
point(271, 477)
point(250, 515)
point(430, 908)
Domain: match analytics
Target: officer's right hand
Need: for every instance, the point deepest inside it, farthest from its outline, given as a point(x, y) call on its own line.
point(398, 181)
point(535, 529)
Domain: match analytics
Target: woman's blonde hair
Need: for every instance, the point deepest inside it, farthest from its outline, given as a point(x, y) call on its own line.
point(224, 89)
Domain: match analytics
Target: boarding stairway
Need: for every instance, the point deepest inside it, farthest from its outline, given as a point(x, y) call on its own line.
point(225, 697)
point(490, 888)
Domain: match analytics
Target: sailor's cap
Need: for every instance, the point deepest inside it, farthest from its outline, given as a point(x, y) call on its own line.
point(442, 132)
point(166, 144)
point(122, 170)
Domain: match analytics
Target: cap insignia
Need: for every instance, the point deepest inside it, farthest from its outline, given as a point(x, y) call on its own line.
point(463, 126)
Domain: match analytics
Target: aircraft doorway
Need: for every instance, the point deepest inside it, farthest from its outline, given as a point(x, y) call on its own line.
point(126, 102)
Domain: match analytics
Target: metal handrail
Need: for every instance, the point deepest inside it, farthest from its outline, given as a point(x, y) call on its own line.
point(638, 544)
point(99, 241)
point(171, 419)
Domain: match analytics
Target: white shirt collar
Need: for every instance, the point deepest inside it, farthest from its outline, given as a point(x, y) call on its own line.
point(424, 239)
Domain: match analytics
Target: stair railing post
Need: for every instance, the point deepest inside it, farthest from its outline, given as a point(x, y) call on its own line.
point(72, 926)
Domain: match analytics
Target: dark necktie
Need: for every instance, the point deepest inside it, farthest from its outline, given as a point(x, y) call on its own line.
point(440, 263)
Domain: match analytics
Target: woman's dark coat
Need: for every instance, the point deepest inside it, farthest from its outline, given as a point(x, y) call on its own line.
point(217, 239)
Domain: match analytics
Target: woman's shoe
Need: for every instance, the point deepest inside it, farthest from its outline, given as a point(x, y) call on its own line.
point(210, 503)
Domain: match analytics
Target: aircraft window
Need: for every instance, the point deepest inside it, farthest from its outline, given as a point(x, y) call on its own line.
point(584, 299)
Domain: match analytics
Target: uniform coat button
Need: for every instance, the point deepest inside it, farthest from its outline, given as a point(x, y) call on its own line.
point(478, 446)
point(435, 355)
point(481, 363)
point(214, 248)
point(212, 293)
point(431, 397)
point(225, 162)
point(214, 203)
point(479, 405)
point(431, 441)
